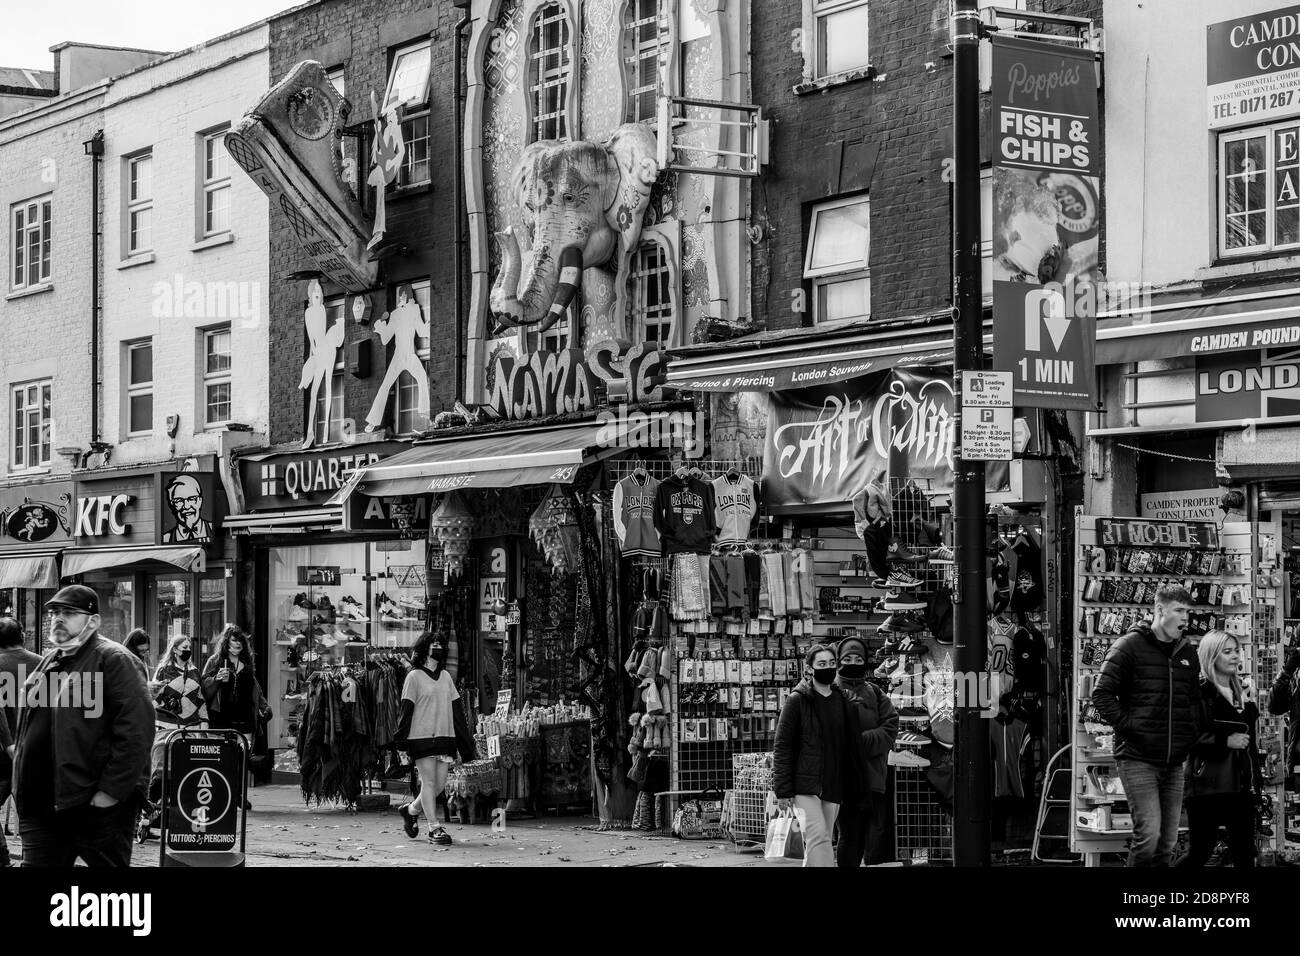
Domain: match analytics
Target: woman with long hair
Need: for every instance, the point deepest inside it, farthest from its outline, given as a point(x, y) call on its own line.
point(230, 686)
point(432, 729)
point(138, 643)
point(1223, 771)
point(179, 704)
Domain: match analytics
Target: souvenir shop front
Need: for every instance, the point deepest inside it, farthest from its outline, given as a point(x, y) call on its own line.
point(852, 539)
point(35, 527)
point(150, 542)
point(343, 597)
point(1201, 442)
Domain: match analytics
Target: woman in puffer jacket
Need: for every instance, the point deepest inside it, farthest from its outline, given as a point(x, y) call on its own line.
point(1223, 770)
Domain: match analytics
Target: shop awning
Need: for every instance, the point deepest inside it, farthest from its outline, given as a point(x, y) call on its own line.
point(1174, 326)
point(35, 570)
point(495, 460)
point(284, 522)
point(772, 367)
point(82, 560)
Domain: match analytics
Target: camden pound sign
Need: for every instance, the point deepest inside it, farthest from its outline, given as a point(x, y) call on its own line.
point(203, 817)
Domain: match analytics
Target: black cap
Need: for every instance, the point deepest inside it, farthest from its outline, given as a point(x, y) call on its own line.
point(76, 597)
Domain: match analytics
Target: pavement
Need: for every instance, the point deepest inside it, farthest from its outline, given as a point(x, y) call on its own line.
point(283, 831)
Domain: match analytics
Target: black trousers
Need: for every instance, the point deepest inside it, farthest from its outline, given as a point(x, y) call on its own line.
point(101, 838)
point(1234, 812)
point(861, 833)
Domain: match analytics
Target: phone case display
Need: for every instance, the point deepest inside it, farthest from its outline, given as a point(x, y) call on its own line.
point(1120, 563)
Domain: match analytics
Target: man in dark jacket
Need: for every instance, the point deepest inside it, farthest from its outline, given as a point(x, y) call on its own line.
point(16, 662)
point(861, 830)
point(818, 765)
point(1148, 692)
point(82, 761)
point(1285, 698)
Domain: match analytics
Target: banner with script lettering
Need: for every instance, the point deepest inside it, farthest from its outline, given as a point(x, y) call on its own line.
point(1046, 221)
point(824, 443)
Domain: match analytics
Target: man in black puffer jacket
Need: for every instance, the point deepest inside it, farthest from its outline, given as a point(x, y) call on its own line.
point(1148, 692)
point(1285, 699)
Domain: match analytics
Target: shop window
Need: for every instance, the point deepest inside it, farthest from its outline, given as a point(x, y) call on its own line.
point(641, 50)
point(116, 604)
point(408, 95)
point(216, 377)
point(835, 37)
point(32, 425)
point(139, 388)
point(652, 300)
point(410, 417)
point(329, 418)
point(837, 259)
point(30, 252)
point(550, 73)
point(215, 169)
point(139, 204)
point(1259, 189)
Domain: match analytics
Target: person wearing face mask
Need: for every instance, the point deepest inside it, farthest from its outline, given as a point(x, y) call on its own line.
point(862, 829)
point(230, 687)
point(432, 729)
point(179, 704)
point(81, 766)
point(819, 765)
point(1223, 770)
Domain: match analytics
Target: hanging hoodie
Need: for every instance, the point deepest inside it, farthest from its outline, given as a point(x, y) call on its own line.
point(684, 515)
point(634, 509)
point(735, 505)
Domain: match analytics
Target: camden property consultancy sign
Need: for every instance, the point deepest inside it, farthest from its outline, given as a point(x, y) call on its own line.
point(1253, 68)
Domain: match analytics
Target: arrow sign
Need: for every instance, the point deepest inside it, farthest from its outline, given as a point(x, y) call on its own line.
point(1049, 306)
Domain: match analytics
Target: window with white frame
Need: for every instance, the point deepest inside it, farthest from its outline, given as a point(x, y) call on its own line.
point(139, 388)
point(986, 232)
point(1259, 189)
point(408, 94)
point(550, 69)
point(335, 76)
point(216, 184)
point(652, 301)
point(641, 48)
point(30, 253)
point(329, 417)
point(33, 423)
point(838, 36)
point(837, 260)
point(408, 413)
point(216, 376)
point(139, 204)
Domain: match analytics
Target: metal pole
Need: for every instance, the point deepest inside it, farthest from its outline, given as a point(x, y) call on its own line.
point(971, 804)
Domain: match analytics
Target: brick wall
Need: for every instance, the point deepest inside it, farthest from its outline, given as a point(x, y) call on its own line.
point(48, 335)
point(186, 285)
point(359, 35)
point(887, 137)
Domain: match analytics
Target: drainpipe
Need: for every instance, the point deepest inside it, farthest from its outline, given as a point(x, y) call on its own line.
point(458, 94)
point(95, 150)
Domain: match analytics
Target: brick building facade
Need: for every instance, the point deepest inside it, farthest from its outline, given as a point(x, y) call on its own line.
point(357, 41)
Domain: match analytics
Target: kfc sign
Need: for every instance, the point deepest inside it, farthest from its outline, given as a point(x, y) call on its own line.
point(101, 515)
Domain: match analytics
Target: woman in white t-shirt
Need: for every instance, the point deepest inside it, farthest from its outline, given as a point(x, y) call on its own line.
point(432, 729)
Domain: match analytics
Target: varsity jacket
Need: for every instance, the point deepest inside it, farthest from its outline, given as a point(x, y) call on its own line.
point(684, 515)
point(736, 504)
point(634, 511)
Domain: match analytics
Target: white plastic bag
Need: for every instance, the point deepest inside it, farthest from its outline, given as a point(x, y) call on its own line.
point(785, 836)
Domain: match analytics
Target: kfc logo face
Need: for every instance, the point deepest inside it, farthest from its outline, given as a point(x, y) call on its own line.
point(184, 497)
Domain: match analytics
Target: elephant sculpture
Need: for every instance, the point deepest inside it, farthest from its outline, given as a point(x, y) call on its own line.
point(580, 207)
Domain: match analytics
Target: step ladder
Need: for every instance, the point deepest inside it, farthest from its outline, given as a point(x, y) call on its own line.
point(1053, 822)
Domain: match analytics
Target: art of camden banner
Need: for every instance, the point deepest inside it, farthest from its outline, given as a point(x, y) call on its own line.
point(1046, 150)
point(826, 442)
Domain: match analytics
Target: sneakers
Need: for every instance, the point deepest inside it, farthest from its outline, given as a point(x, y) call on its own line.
point(409, 822)
point(943, 555)
point(896, 601)
point(930, 529)
point(900, 552)
point(324, 604)
point(905, 758)
point(300, 600)
point(350, 608)
point(901, 579)
point(909, 738)
point(414, 604)
point(298, 615)
point(903, 623)
point(439, 837)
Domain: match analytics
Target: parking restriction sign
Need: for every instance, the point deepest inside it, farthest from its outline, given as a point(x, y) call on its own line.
point(986, 416)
